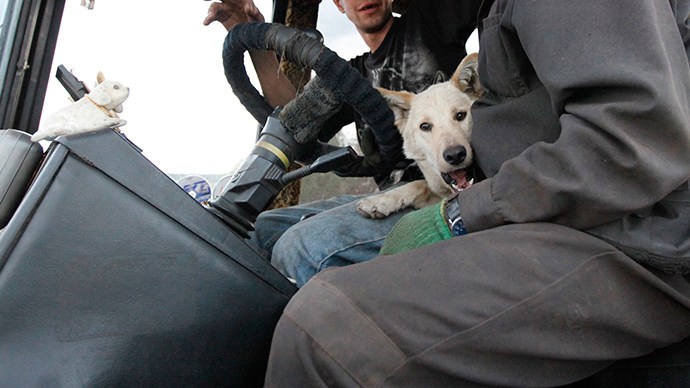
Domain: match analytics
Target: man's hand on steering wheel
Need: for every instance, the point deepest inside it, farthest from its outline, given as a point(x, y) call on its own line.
point(232, 12)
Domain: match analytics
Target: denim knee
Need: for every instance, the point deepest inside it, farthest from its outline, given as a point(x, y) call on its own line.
point(293, 255)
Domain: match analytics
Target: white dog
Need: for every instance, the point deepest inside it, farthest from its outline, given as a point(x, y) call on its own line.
point(90, 113)
point(436, 127)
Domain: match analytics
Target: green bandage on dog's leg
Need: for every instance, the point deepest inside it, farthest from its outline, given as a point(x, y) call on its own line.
point(416, 229)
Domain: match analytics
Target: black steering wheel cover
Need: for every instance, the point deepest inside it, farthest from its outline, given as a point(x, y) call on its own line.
point(357, 91)
point(239, 40)
point(337, 74)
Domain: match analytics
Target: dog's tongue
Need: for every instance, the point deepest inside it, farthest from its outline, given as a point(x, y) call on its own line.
point(460, 176)
point(457, 179)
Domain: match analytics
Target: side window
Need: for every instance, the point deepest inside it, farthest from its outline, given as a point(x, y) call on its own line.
point(3, 10)
point(6, 42)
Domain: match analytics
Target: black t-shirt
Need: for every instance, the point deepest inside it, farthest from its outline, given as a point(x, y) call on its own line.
point(423, 47)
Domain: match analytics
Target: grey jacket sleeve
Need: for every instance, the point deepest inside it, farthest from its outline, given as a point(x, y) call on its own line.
point(618, 83)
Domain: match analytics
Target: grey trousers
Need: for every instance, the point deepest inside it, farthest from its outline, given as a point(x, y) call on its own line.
point(530, 305)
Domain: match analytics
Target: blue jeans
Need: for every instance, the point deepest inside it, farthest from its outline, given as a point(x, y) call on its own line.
point(335, 236)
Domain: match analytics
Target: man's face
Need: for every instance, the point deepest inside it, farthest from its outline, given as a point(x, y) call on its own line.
point(368, 16)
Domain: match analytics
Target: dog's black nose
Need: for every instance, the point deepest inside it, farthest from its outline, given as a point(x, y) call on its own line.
point(455, 155)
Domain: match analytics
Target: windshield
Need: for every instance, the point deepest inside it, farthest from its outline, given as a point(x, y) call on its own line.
point(181, 110)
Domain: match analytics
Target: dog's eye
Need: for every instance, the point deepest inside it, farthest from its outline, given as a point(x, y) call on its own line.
point(460, 115)
point(116, 87)
point(426, 127)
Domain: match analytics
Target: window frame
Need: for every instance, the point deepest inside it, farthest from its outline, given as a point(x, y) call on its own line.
point(27, 46)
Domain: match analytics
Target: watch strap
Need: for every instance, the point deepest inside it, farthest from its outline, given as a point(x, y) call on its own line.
point(451, 213)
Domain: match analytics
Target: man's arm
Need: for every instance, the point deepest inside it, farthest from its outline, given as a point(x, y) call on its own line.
point(619, 86)
point(275, 86)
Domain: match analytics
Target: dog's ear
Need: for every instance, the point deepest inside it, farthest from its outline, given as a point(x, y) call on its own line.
point(466, 77)
point(400, 103)
point(101, 95)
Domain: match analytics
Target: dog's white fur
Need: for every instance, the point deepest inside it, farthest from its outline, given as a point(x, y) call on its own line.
point(430, 124)
point(83, 116)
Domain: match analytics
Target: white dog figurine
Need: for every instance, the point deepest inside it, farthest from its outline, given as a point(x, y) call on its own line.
point(90, 113)
point(436, 126)
point(89, 5)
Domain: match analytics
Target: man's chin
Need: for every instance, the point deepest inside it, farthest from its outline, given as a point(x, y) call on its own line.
point(374, 26)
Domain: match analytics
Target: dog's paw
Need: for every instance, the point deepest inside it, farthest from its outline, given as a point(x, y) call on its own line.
point(378, 206)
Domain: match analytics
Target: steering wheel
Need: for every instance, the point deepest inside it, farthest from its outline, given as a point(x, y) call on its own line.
point(343, 82)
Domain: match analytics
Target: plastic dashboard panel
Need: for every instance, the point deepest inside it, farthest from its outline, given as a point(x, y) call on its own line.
point(111, 275)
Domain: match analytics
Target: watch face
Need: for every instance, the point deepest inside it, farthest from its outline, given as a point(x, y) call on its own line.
point(458, 228)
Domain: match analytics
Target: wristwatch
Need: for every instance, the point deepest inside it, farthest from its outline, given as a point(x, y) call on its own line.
point(451, 213)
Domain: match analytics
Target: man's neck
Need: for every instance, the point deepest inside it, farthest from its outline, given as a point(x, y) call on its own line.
point(373, 40)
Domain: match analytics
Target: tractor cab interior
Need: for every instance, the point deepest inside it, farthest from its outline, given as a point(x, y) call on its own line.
point(112, 275)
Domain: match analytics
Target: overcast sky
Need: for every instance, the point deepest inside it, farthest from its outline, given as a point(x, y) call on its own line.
point(181, 110)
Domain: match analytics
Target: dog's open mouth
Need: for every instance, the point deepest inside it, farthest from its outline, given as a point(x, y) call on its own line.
point(459, 180)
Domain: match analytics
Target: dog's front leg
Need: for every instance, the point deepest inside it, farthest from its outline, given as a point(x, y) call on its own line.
point(416, 194)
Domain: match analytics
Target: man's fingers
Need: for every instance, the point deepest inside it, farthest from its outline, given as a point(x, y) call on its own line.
point(216, 12)
point(210, 17)
point(232, 12)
